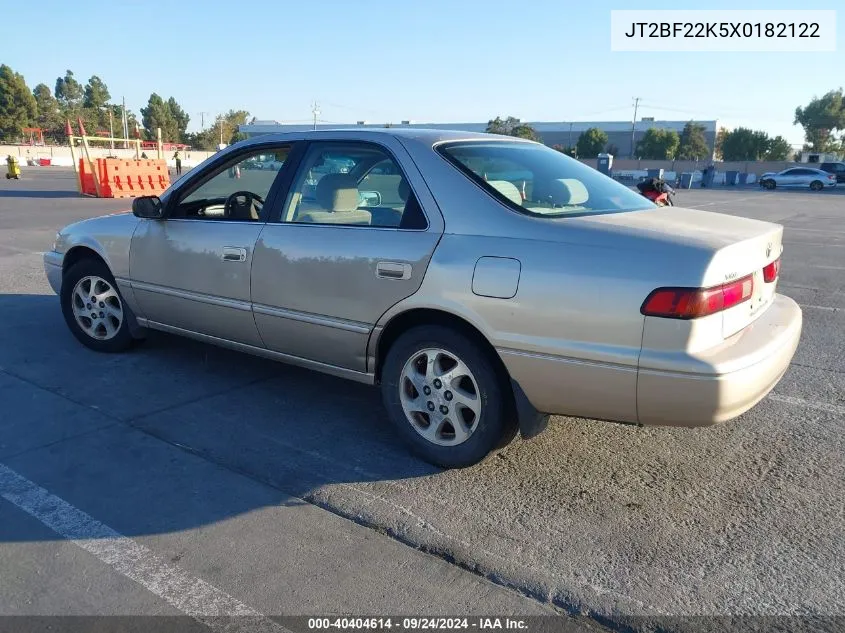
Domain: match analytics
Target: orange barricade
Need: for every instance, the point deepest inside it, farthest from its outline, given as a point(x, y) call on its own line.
point(120, 178)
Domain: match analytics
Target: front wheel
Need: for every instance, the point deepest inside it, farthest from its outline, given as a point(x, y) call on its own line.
point(446, 398)
point(768, 184)
point(93, 308)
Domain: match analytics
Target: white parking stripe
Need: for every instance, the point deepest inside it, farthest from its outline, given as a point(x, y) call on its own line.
point(190, 595)
point(709, 204)
point(812, 307)
point(800, 402)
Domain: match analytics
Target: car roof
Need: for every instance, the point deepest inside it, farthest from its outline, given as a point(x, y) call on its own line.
point(423, 135)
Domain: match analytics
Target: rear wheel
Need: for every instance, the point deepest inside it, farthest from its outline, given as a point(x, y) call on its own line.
point(446, 397)
point(816, 185)
point(93, 308)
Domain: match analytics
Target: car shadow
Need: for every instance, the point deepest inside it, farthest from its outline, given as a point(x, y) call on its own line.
point(144, 434)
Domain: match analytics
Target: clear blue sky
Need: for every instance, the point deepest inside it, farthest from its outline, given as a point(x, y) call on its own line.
point(427, 60)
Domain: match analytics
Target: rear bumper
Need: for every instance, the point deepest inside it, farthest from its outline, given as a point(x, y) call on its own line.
point(756, 359)
point(53, 270)
point(686, 390)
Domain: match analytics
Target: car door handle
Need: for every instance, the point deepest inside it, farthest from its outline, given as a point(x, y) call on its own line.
point(234, 254)
point(393, 270)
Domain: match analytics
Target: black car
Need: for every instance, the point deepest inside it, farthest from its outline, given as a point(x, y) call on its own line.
point(835, 168)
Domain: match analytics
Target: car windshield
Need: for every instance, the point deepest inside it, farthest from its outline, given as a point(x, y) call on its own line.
point(541, 181)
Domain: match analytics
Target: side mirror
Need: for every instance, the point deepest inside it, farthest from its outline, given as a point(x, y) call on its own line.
point(148, 207)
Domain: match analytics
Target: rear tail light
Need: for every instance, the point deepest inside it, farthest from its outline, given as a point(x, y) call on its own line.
point(693, 303)
point(831, 176)
point(771, 272)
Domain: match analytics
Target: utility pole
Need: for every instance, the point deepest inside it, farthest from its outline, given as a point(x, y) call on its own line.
point(315, 110)
point(202, 120)
point(634, 126)
point(125, 126)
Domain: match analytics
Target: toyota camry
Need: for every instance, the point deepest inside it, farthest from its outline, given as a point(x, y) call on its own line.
point(481, 282)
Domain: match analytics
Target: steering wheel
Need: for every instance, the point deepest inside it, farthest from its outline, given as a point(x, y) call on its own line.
point(238, 204)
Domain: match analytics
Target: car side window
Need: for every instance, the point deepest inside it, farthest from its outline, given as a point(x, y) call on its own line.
point(235, 191)
point(352, 184)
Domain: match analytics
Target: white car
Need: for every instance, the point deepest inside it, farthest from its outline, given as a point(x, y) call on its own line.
point(815, 179)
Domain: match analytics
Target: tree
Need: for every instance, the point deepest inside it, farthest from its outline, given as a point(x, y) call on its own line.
point(69, 92)
point(720, 139)
point(745, 144)
point(167, 115)
point(225, 128)
point(658, 144)
point(17, 105)
point(180, 117)
point(525, 131)
point(591, 142)
point(779, 149)
point(48, 117)
point(612, 149)
point(96, 93)
point(565, 149)
point(512, 127)
point(693, 145)
point(820, 118)
point(499, 126)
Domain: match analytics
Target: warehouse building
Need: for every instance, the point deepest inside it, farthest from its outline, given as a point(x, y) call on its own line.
point(619, 133)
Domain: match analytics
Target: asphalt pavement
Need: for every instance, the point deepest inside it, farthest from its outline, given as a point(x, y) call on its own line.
point(285, 490)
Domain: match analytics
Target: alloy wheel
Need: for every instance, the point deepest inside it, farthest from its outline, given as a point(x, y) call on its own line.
point(97, 308)
point(440, 397)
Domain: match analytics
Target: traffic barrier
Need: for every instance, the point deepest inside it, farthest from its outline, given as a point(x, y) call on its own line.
point(119, 178)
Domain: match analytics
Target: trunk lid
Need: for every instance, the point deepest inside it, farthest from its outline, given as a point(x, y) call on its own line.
point(736, 247)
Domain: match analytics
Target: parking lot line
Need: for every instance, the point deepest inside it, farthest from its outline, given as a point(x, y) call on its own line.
point(811, 404)
point(710, 204)
point(190, 595)
point(812, 307)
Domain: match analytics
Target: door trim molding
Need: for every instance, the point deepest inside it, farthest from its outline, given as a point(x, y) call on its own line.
point(235, 304)
point(314, 319)
point(333, 370)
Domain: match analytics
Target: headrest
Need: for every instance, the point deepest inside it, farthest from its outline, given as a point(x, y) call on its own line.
point(337, 192)
point(507, 189)
point(562, 191)
point(404, 190)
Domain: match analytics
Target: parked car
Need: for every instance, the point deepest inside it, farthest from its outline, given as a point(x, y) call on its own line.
point(838, 169)
point(815, 179)
point(478, 306)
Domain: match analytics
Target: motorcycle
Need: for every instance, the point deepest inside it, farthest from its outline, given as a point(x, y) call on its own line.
point(658, 191)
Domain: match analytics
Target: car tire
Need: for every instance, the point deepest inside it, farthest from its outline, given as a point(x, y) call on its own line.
point(492, 426)
point(817, 185)
point(769, 184)
point(108, 333)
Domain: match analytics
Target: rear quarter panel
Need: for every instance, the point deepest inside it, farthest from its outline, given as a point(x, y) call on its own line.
point(571, 335)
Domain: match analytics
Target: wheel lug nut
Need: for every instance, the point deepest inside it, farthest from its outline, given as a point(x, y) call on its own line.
point(87, 306)
point(427, 390)
point(430, 405)
point(102, 305)
point(437, 383)
point(102, 315)
point(444, 409)
point(448, 395)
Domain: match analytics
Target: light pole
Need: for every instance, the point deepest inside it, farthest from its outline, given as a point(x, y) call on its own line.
point(111, 126)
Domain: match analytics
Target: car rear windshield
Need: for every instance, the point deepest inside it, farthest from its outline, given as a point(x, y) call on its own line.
point(541, 181)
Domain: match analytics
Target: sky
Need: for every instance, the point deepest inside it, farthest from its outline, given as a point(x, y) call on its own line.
point(424, 60)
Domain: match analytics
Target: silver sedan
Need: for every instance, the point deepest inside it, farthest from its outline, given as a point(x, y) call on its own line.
point(815, 179)
point(483, 282)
